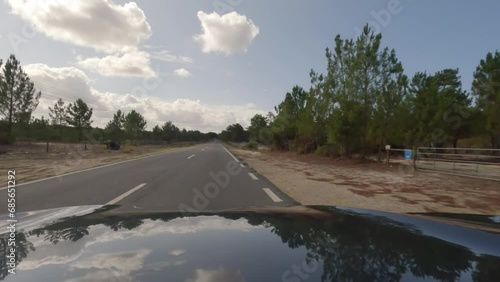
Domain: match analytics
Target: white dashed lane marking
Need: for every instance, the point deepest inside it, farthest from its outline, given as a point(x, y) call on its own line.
point(272, 195)
point(126, 194)
point(253, 176)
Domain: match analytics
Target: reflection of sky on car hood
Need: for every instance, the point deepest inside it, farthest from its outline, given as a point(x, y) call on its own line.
point(190, 249)
point(48, 253)
point(495, 218)
point(480, 242)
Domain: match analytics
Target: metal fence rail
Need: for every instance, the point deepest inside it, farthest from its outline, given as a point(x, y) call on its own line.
point(479, 163)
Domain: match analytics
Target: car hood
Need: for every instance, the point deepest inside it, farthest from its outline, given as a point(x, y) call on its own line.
point(277, 244)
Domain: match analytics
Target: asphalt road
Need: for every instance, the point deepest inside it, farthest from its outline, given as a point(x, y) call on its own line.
point(204, 177)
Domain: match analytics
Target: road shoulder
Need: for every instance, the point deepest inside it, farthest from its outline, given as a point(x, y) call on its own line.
point(313, 180)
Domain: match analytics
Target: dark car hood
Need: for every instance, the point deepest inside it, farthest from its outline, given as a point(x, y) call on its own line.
point(286, 244)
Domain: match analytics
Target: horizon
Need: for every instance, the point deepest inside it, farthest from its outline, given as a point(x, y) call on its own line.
point(216, 70)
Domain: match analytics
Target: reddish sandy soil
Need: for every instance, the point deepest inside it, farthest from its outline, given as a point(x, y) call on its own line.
point(314, 180)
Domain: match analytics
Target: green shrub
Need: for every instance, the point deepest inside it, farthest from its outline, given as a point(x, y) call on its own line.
point(328, 150)
point(252, 145)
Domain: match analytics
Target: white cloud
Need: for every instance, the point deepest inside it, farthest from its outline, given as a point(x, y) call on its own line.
point(217, 275)
point(229, 33)
point(99, 24)
point(167, 56)
point(182, 72)
point(132, 63)
point(70, 83)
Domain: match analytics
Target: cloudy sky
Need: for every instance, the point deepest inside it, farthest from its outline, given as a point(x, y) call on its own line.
point(207, 64)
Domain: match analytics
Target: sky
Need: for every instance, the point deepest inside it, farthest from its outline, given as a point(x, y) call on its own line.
point(207, 64)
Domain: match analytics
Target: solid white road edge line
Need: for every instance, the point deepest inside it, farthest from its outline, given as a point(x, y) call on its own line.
point(253, 176)
point(190, 156)
point(126, 194)
point(272, 195)
point(230, 153)
point(93, 168)
point(242, 165)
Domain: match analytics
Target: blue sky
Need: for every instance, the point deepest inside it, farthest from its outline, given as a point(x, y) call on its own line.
point(213, 89)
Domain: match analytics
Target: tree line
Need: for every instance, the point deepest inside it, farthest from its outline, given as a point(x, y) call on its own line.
point(72, 122)
point(365, 101)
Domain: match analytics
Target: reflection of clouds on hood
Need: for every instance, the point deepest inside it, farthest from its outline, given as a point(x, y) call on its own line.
point(157, 266)
point(67, 252)
point(495, 218)
point(122, 261)
point(217, 275)
point(112, 267)
point(175, 226)
point(202, 223)
point(33, 261)
point(101, 275)
point(176, 252)
point(47, 253)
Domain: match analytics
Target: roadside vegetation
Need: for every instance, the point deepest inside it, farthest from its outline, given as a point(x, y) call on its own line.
point(71, 121)
point(365, 101)
point(66, 140)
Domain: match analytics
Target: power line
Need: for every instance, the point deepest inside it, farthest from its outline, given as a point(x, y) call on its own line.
point(57, 90)
point(56, 93)
point(56, 96)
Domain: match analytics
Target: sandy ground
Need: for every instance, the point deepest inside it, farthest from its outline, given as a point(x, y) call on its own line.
point(314, 180)
point(31, 161)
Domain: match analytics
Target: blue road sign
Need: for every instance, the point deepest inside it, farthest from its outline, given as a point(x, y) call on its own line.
point(408, 154)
